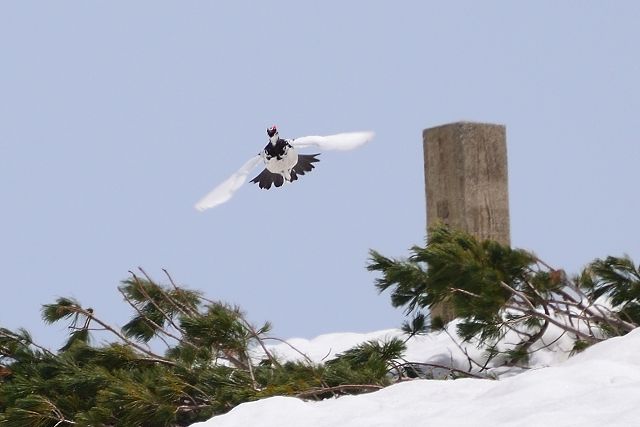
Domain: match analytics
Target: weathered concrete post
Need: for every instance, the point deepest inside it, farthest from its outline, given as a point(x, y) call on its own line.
point(465, 170)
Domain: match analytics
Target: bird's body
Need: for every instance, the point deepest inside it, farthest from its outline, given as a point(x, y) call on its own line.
point(280, 158)
point(282, 162)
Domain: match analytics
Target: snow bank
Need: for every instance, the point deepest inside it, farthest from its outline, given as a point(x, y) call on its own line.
point(599, 387)
point(435, 347)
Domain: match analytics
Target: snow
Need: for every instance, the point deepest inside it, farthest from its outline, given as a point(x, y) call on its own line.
point(600, 386)
point(437, 348)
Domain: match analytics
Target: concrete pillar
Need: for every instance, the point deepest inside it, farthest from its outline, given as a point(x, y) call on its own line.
point(466, 180)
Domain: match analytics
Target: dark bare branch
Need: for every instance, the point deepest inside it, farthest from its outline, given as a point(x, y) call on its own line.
point(345, 388)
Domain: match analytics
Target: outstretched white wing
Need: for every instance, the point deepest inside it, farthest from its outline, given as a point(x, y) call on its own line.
point(340, 141)
point(225, 190)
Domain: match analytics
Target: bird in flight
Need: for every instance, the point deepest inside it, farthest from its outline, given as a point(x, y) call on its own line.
point(282, 162)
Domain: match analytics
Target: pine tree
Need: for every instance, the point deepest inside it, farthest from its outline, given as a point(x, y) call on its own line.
point(214, 359)
point(494, 289)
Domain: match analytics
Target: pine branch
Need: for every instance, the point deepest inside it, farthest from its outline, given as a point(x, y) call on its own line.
point(178, 289)
point(191, 408)
point(607, 315)
point(466, 353)
point(24, 340)
point(260, 342)
point(520, 294)
point(465, 292)
point(535, 313)
point(254, 383)
point(180, 307)
point(345, 388)
point(600, 313)
point(538, 335)
point(448, 368)
point(153, 303)
point(154, 324)
point(545, 345)
point(307, 358)
point(36, 410)
point(175, 287)
point(89, 314)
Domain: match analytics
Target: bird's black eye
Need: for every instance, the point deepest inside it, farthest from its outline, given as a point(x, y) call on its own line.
point(271, 131)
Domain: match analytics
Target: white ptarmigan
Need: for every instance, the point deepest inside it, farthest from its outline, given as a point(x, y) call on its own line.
point(282, 162)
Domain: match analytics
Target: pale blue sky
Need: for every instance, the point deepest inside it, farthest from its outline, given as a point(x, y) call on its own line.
point(116, 117)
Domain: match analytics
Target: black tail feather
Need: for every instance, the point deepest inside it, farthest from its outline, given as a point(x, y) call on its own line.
point(266, 179)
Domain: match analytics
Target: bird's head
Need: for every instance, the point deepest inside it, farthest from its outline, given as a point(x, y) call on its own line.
point(273, 134)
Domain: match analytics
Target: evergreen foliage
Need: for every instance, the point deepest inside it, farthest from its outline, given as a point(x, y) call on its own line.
point(214, 359)
point(494, 289)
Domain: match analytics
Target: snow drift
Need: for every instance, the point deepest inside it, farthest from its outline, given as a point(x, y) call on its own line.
point(598, 387)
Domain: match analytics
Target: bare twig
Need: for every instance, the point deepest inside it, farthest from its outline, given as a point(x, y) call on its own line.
point(307, 358)
point(600, 312)
point(556, 322)
point(171, 301)
point(448, 368)
point(152, 302)
point(58, 415)
point(171, 280)
point(190, 408)
point(520, 294)
point(193, 309)
point(340, 389)
point(91, 316)
point(545, 345)
point(157, 327)
point(23, 340)
point(462, 291)
point(260, 341)
point(464, 351)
